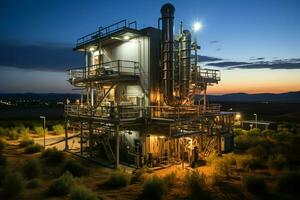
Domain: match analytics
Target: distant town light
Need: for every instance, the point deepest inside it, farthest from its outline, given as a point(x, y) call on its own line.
point(197, 26)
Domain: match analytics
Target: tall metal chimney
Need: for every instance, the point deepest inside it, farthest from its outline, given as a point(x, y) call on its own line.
point(167, 12)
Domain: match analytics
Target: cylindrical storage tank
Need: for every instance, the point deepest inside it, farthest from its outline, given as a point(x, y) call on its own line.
point(185, 63)
point(167, 12)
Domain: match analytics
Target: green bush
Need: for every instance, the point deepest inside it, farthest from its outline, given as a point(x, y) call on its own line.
point(277, 162)
point(58, 129)
point(255, 185)
point(34, 183)
point(259, 151)
point(75, 168)
point(2, 144)
point(61, 186)
point(53, 155)
point(33, 148)
point(196, 182)
point(32, 168)
point(13, 185)
point(3, 131)
point(212, 158)
point(222, 166)
point(288, 182)
point(118, 179)
point(254, 132)
point(26, 142)
point(137, 176)
point(24, 132)
point(170, 178)
point(13, 134)
point(39, 130)
point(242, 162)
point(154, 188)
point(81, 192)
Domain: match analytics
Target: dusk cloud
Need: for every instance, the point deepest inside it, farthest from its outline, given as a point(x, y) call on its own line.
point(46, 57)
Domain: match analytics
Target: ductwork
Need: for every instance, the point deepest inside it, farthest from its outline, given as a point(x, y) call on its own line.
point(167, 12)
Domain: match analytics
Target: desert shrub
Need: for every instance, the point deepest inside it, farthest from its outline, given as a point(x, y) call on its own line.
point(170, 178)
point(39, 130)
point(231, 158)
point(24, 132)
point(53, 155)
point(61, 186)
point(196, 182)
point(288, 182)
point(32, 168)
point(212, 157)
point(137, 176)
point(154, 188)
point(58, 129)
point(13, 185)
point(242, 161)
point(75, 168)
point(256, 163)
point(3, 131)
point(81, 192)
point(217, 180)
point(3, 160)
point(26, 142)
point(34, 183)
point(255, 185)
point(33, 148)
point(277, 162)
point(2, 144)
point(254, 132)
point(13, 134)
point(239, 131)
point(222, 166)
point(259, 151)
point(118, 179)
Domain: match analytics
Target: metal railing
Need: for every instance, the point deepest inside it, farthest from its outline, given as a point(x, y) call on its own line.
point(116, 67)
point(208, 74)
point(102, 32)
point(111, 112)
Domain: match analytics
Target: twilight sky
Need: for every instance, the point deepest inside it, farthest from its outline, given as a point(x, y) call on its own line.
point(255, 43)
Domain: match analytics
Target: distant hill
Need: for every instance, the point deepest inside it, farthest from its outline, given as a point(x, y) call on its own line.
point(288, 97)
point(235, 97)
point(38, 96)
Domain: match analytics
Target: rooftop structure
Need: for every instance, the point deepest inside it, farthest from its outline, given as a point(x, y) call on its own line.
point(137, 105)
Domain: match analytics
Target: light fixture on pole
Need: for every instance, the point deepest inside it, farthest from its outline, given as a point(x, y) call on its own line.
point(255, 119)
point(44, 127)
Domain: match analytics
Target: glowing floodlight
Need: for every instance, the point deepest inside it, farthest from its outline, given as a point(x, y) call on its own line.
point(126, 37)
point(197, 26)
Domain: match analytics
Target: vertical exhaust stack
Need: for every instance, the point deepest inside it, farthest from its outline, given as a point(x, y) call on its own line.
point(167, 12)
point(185, 64)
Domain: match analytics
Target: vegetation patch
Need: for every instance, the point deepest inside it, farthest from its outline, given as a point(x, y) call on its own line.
point(118, 179)
point(255, 185)
point(2, 144)
point(75, 168)
point(154, 188)
point(81, 192)
point(26, 142)
point(196, 183)
point(288, 182)
point(32, 168)
point(170, 178)
point(33, 183)
point(13, 185)
point(61, 186)
point(53, 155)
point(33, 148)
point(58, 129)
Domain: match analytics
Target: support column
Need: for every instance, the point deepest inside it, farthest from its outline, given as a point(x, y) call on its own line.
point(66, 134)
point(117, 147)
point(81, 135)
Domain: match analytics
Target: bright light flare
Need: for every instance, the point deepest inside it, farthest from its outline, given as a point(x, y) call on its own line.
point(197, 26)
point(126, 37)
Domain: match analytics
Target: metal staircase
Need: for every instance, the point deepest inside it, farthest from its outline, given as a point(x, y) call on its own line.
point(210, 146)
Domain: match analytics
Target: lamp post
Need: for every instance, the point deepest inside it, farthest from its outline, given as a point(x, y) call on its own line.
point(44, 127)
point(255, 119)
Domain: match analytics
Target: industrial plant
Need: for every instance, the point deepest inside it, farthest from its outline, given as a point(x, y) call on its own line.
point(144, 98)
